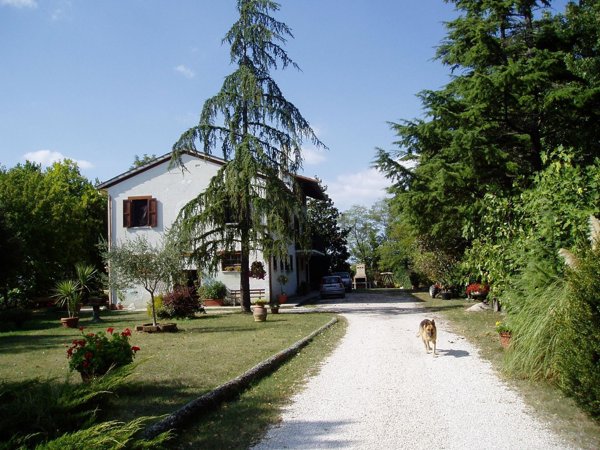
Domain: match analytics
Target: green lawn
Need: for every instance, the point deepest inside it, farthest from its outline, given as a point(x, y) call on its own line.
point(174, 368)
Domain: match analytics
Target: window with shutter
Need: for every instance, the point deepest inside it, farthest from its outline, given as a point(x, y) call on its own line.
point(140, 212)
point(127, 213)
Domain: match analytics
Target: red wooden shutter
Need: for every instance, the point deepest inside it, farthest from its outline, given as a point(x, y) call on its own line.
point(153, 207)
point(126, 213)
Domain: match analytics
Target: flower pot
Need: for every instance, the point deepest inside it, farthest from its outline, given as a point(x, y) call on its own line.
point(69, 322)
point(282, 298)
point(446, 295)
point(505, 339)
point(260, 313)
point(275, 309)
point(213, 302)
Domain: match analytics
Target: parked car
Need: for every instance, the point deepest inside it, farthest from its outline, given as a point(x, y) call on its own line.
point(346, 279)
point(332, 286)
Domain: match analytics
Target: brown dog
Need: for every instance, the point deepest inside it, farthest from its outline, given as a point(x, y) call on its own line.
point(428, 332)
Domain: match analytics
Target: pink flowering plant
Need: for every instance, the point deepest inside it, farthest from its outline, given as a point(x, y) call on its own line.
point(95, 353)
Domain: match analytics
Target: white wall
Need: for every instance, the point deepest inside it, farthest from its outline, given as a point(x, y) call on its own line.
point(173, 189)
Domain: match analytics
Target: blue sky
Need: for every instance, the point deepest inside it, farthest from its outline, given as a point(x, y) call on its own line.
point(102, 81)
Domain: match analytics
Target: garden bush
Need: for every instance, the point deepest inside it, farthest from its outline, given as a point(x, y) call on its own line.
point(34, 411)
point(213, 289)
point(180, 304)
point(579, 364)
point(158, 304)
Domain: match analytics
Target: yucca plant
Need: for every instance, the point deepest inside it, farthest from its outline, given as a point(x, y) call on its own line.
point(68, 294)
point(86, 275)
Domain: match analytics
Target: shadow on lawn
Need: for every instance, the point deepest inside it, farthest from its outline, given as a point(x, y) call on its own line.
point(153, 399)
point(23, 343)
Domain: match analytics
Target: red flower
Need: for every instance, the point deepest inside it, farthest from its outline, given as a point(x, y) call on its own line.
point(135, 348)
point(110, 330)
point(86, 363)
point(80, 328)
point(126, 332)
point(88, 355)
point(70, 352)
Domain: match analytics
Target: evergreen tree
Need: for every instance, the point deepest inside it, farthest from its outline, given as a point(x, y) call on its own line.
point(327, 235)
point(140, 161)
point(523, 84)
point(253, 201)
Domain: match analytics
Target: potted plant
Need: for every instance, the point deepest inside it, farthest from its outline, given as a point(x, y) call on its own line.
point(95, 353)
point(260, 311)
point(282, 279)
point(274, 305)
point(446, 292)
point(213, 293)
point(68, 295)
point(477, 291)
point(257, 270)
point(504, 332)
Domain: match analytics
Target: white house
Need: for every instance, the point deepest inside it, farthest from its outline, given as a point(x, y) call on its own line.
point(146, 200)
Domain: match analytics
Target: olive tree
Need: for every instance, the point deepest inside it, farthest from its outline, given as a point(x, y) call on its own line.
point(134, 262)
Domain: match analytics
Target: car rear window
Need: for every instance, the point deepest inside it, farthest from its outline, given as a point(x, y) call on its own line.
point(331, 280)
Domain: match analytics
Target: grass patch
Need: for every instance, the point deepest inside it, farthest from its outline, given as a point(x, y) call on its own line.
point(239, 424)
point(549, 403)
point(173, 368)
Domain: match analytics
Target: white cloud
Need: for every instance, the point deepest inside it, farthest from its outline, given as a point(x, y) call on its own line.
point(361, 188)
point(313, 157)
point(48, 157)
point(19, 3)
point(185, 71)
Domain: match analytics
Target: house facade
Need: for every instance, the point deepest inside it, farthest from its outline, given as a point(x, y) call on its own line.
point(147, 200)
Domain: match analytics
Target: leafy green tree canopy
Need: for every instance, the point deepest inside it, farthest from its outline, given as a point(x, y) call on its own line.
point(56, 217)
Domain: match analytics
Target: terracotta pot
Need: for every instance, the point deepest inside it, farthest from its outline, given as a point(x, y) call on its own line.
point(260, 313)
point(282, 298)
point(505, 339)
point(213, 302)
point(69, 322)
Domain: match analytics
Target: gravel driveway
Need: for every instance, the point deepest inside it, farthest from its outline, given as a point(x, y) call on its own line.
point(380, 390)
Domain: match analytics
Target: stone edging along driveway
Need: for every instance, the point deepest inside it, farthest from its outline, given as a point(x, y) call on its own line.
point(231, 389)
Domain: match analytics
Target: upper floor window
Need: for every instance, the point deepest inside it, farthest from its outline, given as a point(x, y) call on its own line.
point(140, 212)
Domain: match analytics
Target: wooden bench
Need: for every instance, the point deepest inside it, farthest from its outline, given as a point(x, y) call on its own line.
point(235, 295)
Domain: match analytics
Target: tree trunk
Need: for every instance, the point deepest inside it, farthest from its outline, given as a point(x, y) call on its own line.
point(245, 270)
point(154, 322)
